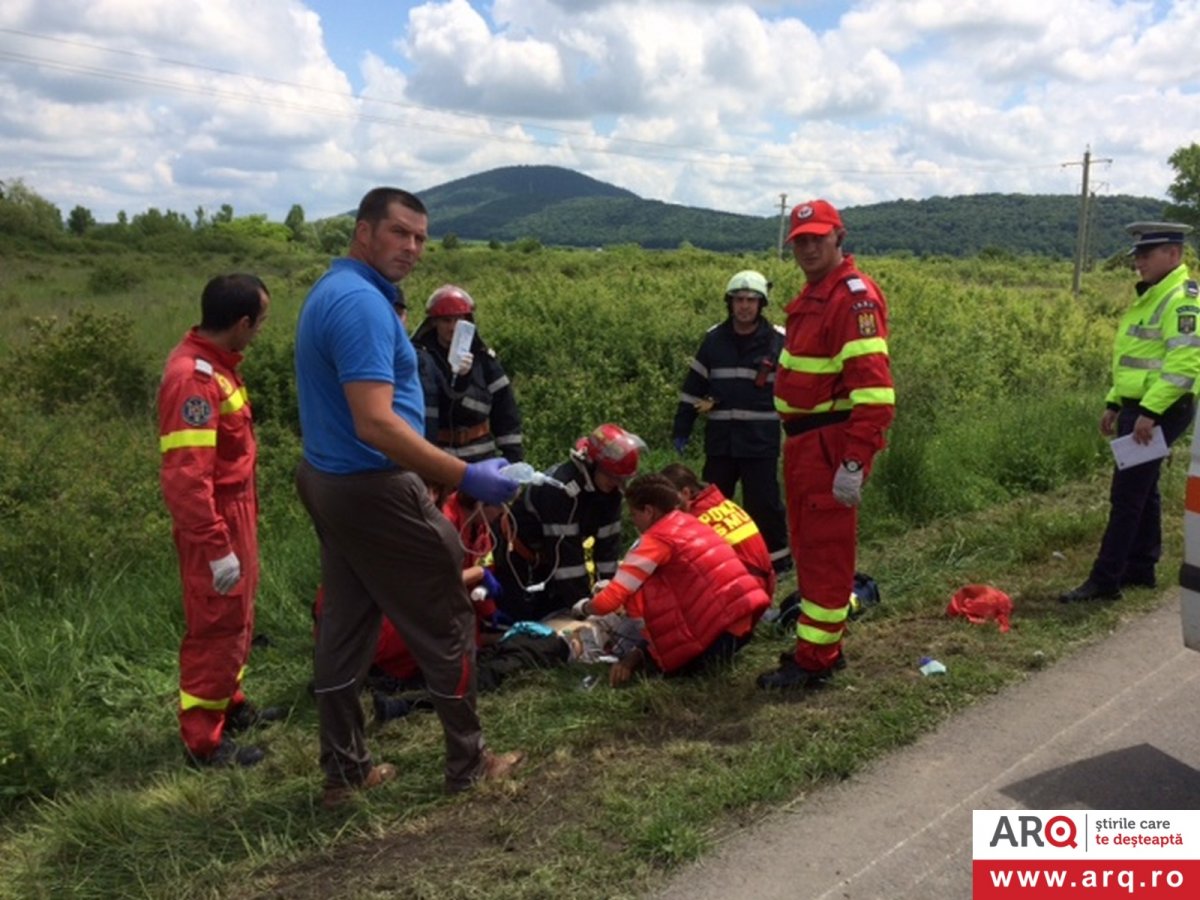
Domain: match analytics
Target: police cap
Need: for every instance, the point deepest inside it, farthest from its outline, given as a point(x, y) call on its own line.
point(1155, 234)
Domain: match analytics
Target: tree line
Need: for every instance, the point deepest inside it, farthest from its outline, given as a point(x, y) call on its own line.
point(553, 206)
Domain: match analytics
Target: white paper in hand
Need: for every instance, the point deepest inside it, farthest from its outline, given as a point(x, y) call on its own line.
point(1128, 452)
point(460, 344)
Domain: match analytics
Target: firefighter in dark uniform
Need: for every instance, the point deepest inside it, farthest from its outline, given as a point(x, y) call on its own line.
point(731, 382)
point(1156, 363)
point(470, 412)
point(541, 557)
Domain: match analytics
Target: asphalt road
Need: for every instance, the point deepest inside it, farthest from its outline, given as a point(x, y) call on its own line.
point(1114, 726)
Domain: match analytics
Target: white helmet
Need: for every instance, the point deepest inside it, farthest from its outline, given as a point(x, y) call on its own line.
point(748, 280)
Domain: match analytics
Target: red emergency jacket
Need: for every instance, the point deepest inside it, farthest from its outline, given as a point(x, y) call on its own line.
point(835, 359)
point(206, 437)
point(688, 585)
point(734, 524)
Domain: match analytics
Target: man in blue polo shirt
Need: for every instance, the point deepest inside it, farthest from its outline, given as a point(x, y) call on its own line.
point(385, 547)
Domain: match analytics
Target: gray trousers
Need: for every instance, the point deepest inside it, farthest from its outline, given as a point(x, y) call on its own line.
point(385, 548)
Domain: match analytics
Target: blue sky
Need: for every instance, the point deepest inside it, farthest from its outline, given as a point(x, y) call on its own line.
point(174, 104)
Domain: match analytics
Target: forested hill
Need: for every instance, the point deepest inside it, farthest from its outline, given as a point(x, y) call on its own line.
point(561, 207)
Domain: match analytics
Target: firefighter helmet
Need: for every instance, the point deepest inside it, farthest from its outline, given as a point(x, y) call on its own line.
point(612, 449)
point(747, 280)
point(450, 300)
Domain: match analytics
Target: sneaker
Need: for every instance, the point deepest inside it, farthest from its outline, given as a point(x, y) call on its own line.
point(247, 716)
point(228, 755)
point(789, 676)
point(338, 794)
point(496, 767)
point(1089, 590)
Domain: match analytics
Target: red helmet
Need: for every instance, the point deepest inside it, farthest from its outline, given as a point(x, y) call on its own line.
point(613, 449)
point(449, 300)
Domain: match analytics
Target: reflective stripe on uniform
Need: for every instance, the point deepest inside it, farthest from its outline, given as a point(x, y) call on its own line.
point(825, 365)
point(816, 635)
point(733, 372)
point(235, 401)
point(821, 614)
point(565, 573)
point(191, 701)
point(189, 437)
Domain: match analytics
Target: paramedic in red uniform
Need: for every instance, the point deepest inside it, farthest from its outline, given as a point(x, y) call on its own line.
point(208, 455)
point(698, 602)
point(833, 390)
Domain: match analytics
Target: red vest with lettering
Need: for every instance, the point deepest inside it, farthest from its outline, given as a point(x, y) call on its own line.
point(701, 591)
point(734, 524)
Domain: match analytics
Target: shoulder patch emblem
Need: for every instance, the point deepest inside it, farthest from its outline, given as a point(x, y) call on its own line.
point(868, 325)
point(856, 284)
point(196, 411)
point(1187, 323)
point(1193, 289)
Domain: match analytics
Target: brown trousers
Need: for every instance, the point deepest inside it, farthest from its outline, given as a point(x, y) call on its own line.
point(386, 548)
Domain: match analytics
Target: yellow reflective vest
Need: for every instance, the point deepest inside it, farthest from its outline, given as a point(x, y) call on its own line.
point(1156, 355)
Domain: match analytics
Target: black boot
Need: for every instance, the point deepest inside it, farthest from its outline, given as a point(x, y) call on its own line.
point(1089, 590)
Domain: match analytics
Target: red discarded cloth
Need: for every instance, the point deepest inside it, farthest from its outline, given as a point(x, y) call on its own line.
point(980, 602)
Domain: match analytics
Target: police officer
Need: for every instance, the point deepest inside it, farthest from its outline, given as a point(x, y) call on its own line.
point(731, 382)
point(1156, 361)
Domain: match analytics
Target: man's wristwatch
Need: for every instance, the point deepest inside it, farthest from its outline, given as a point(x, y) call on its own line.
point(851, 465)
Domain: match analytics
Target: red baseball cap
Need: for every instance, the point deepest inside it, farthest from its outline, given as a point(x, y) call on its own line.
point(813, 217)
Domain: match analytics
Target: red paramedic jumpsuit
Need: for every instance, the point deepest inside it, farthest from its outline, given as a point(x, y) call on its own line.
point(833, 389)
point(206, 437)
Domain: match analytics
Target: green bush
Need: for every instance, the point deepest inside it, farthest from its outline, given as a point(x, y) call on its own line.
point(91, 358)
point(113, 277)
point(79, 498)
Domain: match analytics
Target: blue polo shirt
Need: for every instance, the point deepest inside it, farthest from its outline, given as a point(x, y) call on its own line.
point(348, 331)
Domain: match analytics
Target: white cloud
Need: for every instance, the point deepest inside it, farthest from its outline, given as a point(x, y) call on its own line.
point(127, 104)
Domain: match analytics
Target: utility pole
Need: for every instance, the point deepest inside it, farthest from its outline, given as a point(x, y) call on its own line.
point(782, 221)
point(1081, 234)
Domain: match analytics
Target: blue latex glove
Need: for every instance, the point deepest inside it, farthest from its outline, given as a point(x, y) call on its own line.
point(491, 584)
point(680, 444)
point(483, 481)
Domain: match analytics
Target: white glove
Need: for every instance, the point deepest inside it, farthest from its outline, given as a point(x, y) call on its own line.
point(599, 586)
point(479, 594)
point(580, 610)
point(227, 571)
point(847, 483)
point(465, 363)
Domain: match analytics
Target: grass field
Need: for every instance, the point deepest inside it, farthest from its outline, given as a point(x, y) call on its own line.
point(995, 474)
